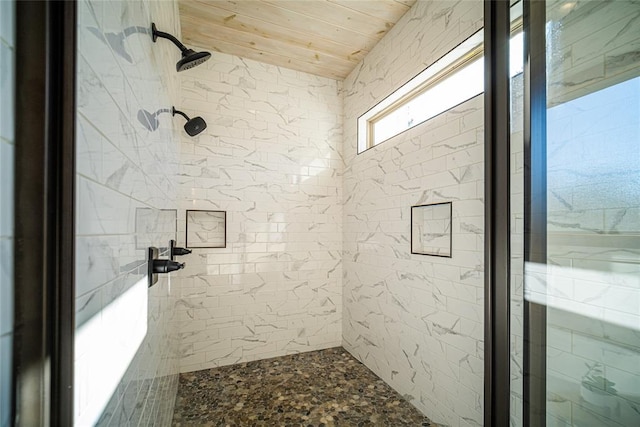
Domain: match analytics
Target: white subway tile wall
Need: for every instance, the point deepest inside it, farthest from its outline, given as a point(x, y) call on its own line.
point(126, 349)
point(7, 63)
point(415, 320)
point(271, 158)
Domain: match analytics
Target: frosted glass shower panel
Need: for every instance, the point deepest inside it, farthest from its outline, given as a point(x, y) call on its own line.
point(206, 229)
point(431, 229)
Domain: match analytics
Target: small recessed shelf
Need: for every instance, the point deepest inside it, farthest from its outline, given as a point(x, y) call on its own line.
point(431, 229)
point(206, 229)
point(154, 225)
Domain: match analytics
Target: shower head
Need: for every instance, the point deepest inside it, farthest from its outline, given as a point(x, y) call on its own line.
point(150, 120)
point(193, 126)
point(190, 58)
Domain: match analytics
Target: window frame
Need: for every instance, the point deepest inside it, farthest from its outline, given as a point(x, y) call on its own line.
point(469, 50)
point(423, 87)
point(460, 55)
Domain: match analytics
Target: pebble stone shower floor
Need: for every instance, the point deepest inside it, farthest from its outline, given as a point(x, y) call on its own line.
point(321, 389)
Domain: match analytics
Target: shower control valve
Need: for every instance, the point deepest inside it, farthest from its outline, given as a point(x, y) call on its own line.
point(175, 251)
point(157, 266)
point(166, 266)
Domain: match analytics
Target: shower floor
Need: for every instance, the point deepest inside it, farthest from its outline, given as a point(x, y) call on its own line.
point(319, 388)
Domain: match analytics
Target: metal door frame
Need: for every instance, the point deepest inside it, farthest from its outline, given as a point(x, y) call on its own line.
point(497, 248)
point(497, 387)
point(44, 324)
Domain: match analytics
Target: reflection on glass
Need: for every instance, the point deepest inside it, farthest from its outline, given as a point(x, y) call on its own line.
point(517, 236)
point(592, 288)
point(7, 149)
point(590, 284)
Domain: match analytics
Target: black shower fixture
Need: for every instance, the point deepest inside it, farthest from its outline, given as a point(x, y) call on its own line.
point(150, 120)
point(190, 58)
point(193, 126)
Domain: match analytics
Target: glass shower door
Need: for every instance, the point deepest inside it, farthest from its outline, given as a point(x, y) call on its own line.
point(580, 331)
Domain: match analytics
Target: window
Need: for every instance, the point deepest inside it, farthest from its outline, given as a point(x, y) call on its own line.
point(453, 79)
point(457, 87)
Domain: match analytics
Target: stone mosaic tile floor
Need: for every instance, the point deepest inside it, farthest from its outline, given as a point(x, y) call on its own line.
point(321, 388)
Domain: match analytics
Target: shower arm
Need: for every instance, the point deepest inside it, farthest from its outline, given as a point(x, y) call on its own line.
point(162, 34)
point(174, 112)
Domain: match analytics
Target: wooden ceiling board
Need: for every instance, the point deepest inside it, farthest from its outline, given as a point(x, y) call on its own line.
point(333, 14)
point(278, 16)
point(384, 10)
point(275, 59)
point(271, 51)
point(213, 15)
point(408, 3)
point(256, 41)
point(322, 37)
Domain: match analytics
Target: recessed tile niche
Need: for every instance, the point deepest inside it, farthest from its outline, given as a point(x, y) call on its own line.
point(431, 229)
point(206, 229)
point(155, 225)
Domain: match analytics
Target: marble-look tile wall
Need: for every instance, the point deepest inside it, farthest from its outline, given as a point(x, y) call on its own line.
point(271, 158)
point(416, 321)
point(6, 204)
point(126, 349)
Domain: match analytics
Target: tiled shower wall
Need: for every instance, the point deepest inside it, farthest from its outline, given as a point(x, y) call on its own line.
point(271, 158)
point(126, 200)
point(416, 321)
point(6, 205)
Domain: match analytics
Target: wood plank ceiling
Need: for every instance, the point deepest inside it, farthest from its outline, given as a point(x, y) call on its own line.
point(322, 37)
